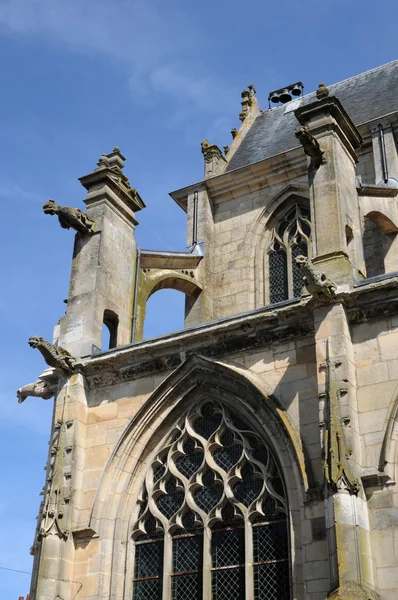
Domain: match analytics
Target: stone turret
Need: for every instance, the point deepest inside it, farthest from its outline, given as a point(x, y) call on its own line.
point(104, 263)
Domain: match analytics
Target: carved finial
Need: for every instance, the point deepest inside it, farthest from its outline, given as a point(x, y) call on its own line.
point(234, 132)
point(322, 91)
point(214, 160)
point(247, 101)
point(70, 218)
point(55, 357)
point(116, 158)
point(318, 285)
point(103, 161)
point(226, 148)
point(311, 146)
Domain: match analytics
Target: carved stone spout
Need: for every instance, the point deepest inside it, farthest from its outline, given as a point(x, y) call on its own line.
point(70, 217)
point(318, 285)
point(311, 146)
point(38, 389)
point(54, 357)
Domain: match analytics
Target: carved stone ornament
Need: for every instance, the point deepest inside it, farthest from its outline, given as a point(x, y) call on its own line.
point(311, 146)
point(53, 518)
point(322, 91)
point(234, 132)
point(336, 438)
point(38, 389)
point(54, 357)
point(70, 217)
point(318, 285)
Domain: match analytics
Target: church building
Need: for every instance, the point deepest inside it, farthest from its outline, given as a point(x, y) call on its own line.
point(252, 455)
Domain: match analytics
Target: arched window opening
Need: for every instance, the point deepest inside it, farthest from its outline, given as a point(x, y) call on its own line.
point(379, 249)
point(213, 515)
point(109, 330)
point(290, 238)
point(164, 312)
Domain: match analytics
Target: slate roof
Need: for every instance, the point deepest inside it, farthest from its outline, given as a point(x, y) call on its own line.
point(365, 97)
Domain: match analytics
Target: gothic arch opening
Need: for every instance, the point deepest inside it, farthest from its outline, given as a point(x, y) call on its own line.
point(281, 233)
point(152, 281)
point(164, 312)
point(377, 247)
point(213, 517)
point(249, 413)
point(289, 236)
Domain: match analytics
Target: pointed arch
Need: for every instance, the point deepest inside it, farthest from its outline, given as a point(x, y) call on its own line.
point(261, 234)
point(243, 393)
point(388, 462)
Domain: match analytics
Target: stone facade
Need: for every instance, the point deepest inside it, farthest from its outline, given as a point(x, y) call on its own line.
point(313, 379)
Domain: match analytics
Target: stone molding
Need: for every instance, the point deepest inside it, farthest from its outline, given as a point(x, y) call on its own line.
point(262, 327)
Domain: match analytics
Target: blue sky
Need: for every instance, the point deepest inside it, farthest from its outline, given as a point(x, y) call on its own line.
point(155, 78)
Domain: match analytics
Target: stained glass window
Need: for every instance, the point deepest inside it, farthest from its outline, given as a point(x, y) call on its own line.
point(290, 238)
point(212, 521)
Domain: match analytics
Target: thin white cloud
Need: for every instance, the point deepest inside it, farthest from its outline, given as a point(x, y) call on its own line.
point(12, 191)
point(146, 39)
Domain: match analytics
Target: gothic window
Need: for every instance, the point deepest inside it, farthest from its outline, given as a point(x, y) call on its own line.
point(290, 238)
point(212, 522)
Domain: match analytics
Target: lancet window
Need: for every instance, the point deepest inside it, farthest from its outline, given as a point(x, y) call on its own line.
point(290, 238)
point(213, 521)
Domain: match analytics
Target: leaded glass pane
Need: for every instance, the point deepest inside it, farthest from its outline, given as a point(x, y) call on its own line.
point(270, 542)
point(187, 553)
point(278, 285)
point(271, 581)
point(210, 494)
point(187, 587)
point(228, 584)
point(189, 462)
point(149, 559)
point(169, 503)
point(209, 422)
point(230, 452)
point(148, 571)
point(149, 589)
point(228, 548)
point(187, 568)
point(247, 490)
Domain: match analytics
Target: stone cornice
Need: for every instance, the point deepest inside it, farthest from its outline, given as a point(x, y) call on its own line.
point(154, 259)
point(377, 191)
point(278, 169)
point(248, 331)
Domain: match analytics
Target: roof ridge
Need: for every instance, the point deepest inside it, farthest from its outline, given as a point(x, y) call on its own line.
point(329, 85)
point(365, 72)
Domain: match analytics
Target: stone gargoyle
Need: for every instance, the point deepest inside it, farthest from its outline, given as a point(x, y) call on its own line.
point(70, 217)
point(311, 146)
point(38, 389)
point(54, 357)
point(318, 285)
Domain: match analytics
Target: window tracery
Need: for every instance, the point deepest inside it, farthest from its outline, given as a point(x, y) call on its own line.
point(290, 238)
point(213, 516)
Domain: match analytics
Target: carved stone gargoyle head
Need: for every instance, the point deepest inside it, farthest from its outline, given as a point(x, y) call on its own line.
point(35, 341)
point(50, 207)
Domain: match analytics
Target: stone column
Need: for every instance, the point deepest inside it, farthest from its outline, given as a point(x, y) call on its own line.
point(330, 139)
point(104, 263)
point(346, 511)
